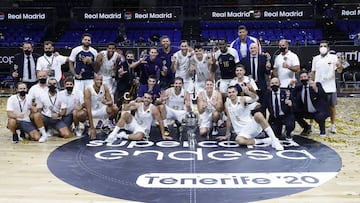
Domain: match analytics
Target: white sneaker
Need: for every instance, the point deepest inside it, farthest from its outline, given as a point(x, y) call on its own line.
point(322, 135)
point(215, 131)
point(121, 134)
point(332, 128)
point(78, 132)
point(44, 137)
point(111, 138)
point(276, 145)
point(312, 127)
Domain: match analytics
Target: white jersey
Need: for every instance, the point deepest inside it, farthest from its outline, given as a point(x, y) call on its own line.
point(107, 65)
point(201, 70)
point(70, 101)
point(246, 80)
point(96, 98)
point(183, 64)
point(49, 104)
point(144, 117)
point(324, 68)
point(17, 105)
point(240, 115)
point(52, 64)
point(209, 107)
point(176, 102)
point(36, 91)
point(284, 74)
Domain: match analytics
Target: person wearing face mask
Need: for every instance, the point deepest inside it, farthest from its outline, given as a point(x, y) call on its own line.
point(309, 101)
point(82, 63)
point(36, 90)
point(49, 107)
point(323, 70)
point(24, 65)
point(18, 109)
point(278, 103)
point(72, 107)
point(125, 77)
point(51, 62)
point(286, 64)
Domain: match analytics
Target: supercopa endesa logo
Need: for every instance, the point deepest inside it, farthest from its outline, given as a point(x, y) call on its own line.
point(167, 171)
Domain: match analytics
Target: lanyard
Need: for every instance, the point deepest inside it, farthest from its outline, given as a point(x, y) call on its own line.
point(52, 102)
point(21, 105)
point(52, 60)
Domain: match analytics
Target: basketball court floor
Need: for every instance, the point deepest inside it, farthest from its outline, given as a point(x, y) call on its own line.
point(312, 169)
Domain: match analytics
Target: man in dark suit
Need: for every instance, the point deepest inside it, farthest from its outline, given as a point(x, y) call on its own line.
point(279, 104)
point(24, 68)
point(258, 67)
point(309, 101)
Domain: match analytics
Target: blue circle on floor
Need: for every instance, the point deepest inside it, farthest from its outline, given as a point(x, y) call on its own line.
point(168, 171)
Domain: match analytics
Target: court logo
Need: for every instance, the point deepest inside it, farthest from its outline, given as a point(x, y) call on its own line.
point(168, 171)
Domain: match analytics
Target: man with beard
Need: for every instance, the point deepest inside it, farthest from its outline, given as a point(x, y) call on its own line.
point(165, 54)
point(84, 59)
point(243, 42)
point(18, 109)
point(24, 68)
point(286, 65)
point(226, 58)
point(48, 104)
point(140, 124)
point(50, 62)
point(106, 65)
point(247, 126)
point(72, 107)
point(98, 103)
point(180, 65)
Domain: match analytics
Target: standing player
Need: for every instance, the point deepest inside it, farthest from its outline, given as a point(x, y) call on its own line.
point(243, 42)
point(84, 59)
point(202, 64)
point(106, 64)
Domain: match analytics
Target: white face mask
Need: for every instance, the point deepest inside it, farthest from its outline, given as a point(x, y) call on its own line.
point(323, 50)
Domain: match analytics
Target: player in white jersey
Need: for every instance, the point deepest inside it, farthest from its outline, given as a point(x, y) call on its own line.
point(51, 62)
point(202, 64)
point(72, 107)
point(98, 103)
point(247, 127)
point(241, 80)
point(49, 105)
point(209, 105)
point(18, 109)
point(106, 64)
point(140, 124)
point(180, 65)
point(286, 64)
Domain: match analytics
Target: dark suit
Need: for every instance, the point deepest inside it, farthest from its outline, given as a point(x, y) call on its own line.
point(19, 62)
point(287, 119)
point(319, 101)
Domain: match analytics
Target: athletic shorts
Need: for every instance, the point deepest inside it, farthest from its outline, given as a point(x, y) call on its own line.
point(331, 98)
point(135, 127)
point(250, 131)
point(26, 126)
point(54, 123)
point(224, 84)
point(173, 114)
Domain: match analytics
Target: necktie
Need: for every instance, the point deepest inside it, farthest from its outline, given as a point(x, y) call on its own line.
point(29, 67)
point(306, 98)
point(253, 70)
point(277, 109)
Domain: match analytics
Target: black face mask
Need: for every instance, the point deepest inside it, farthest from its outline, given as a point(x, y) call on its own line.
point(69, 89)
point(22, 93)
point(304, 82)
point(52, 88)
point(129, 61)
point(275, 88)
point(42, 80)
point(282, 49)
point(27, 52)
point(48, 53)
